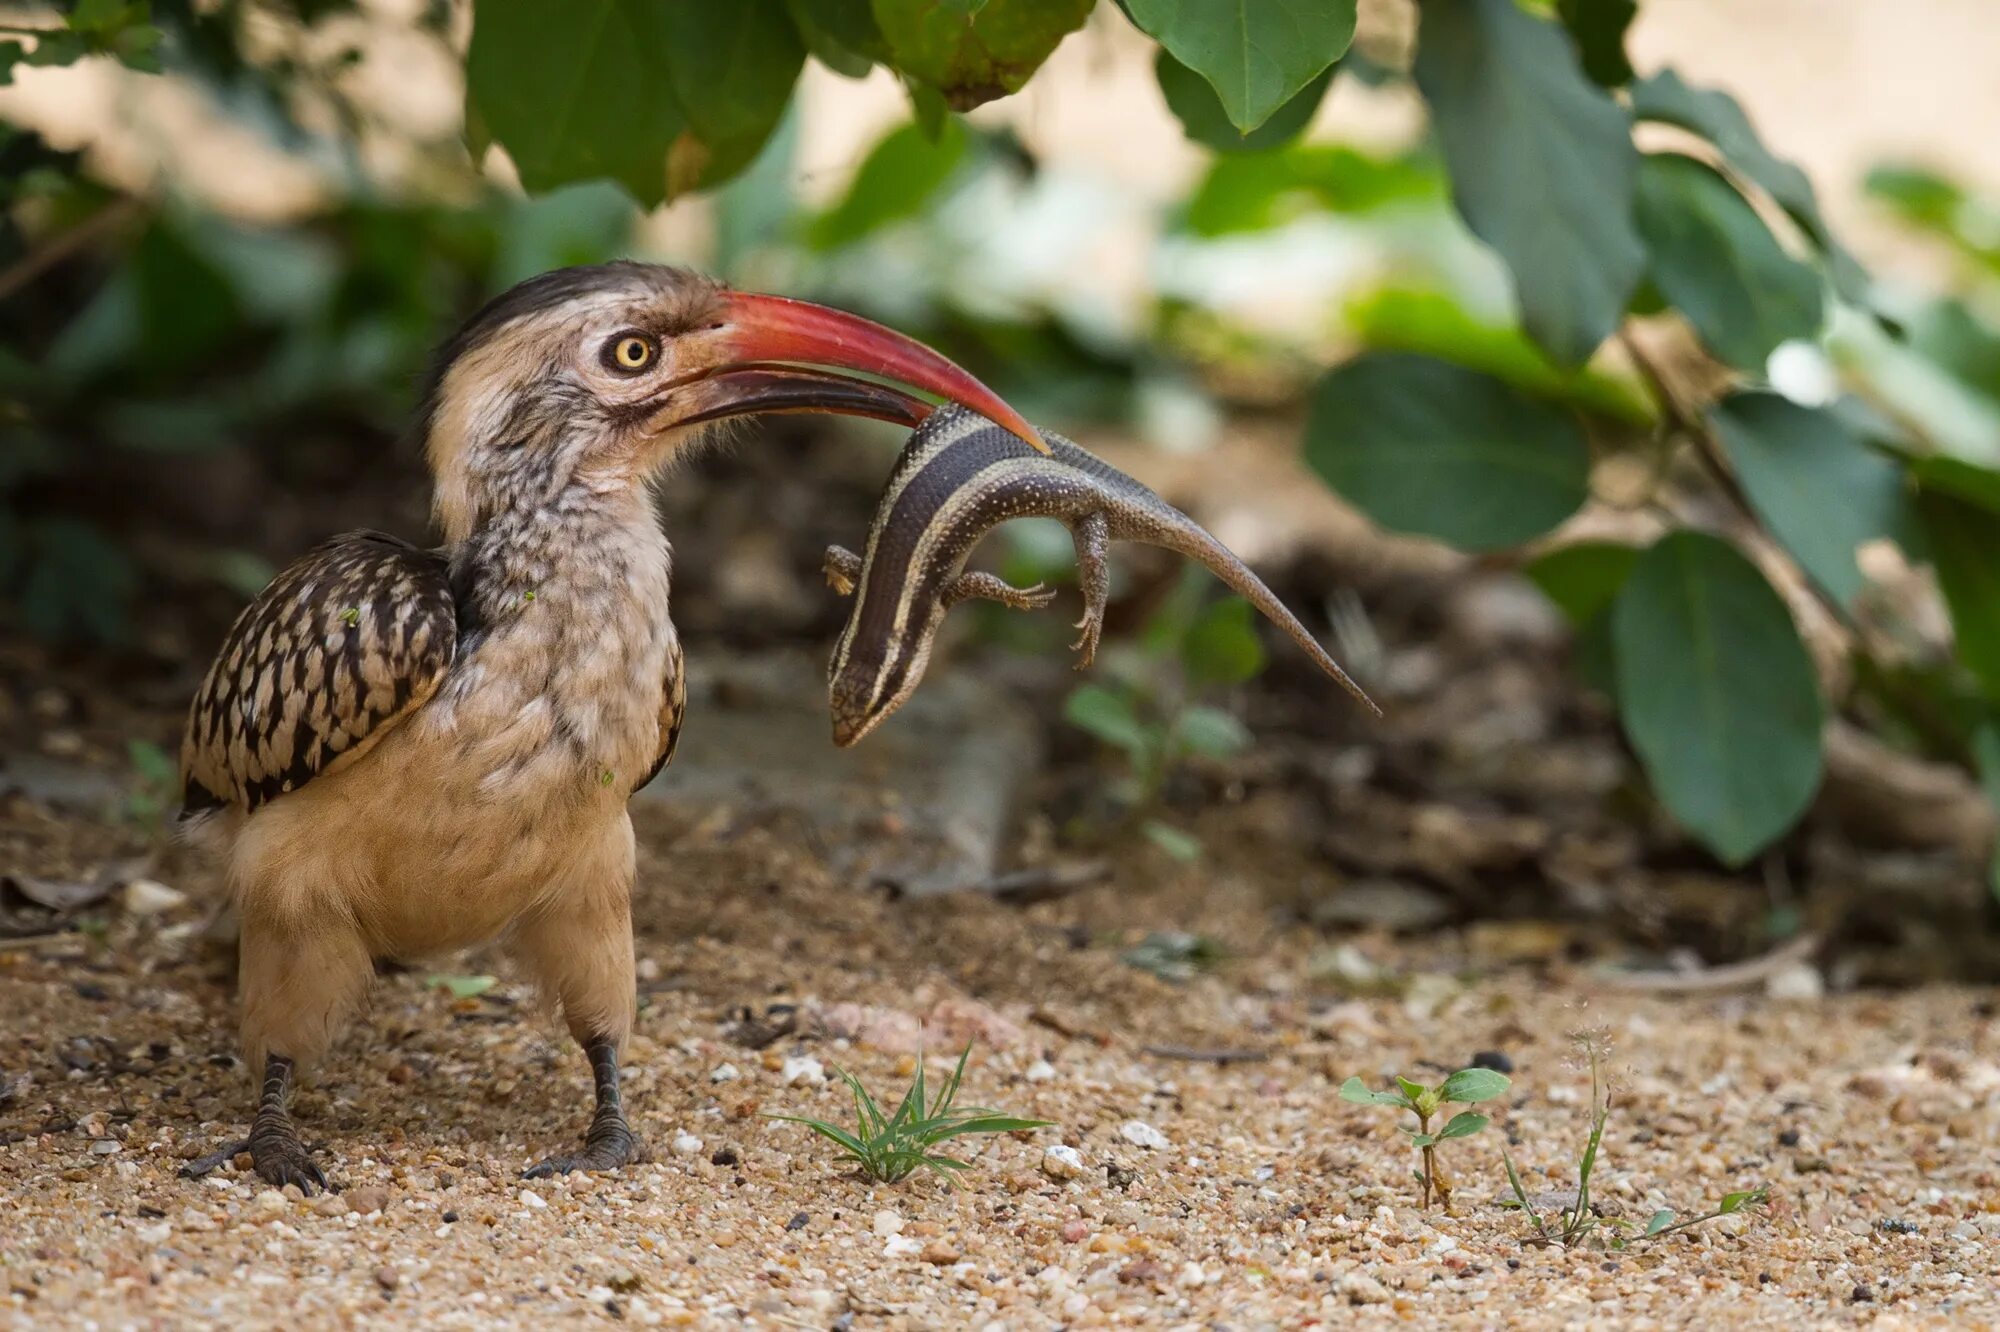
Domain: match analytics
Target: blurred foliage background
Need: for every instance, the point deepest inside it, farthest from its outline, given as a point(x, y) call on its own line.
point(1565, 317)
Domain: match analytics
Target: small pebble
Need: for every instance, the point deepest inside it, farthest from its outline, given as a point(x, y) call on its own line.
point(901, 1246)
point(150, 897)
point(888, 1222)
point(799, 1221)
point(724, 1073)
point(940, 1254)
point(802, 1070)
point(331, 1204)
point(1141, 1134)
point(1075, 1230)
point(270, 1200)
point(1360, 1288)
point(529, 1198)
point(387, 1278)
point(686, 1144)
point(725, 1156)
point(1493, 1059)
point(1040, 1071)
point(370, 1199)
point(1061, 1162)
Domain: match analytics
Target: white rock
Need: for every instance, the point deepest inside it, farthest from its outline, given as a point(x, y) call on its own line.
point(158, 1233)
point(888, 1223)
point(270, 1200)
point(529, 1198)
point(901, 1246)
point(803, 1069)
point(724, 1073)
point(1040, 1071)
point(150, 897)
point(1141, 1134)
point(686, 1144)
point(1360, 1288)
point(1800, 982)
point(1191, 1276)
point(1061, 1162)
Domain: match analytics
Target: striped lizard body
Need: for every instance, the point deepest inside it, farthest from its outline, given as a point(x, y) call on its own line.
point(958, 478)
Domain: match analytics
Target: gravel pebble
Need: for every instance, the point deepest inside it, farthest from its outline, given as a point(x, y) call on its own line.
point(1061, 1162)
point(1141, 1134)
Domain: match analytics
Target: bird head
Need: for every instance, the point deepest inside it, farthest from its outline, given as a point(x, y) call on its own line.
point(598, 375)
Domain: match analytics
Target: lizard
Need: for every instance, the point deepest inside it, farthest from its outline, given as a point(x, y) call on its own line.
point(958, 478)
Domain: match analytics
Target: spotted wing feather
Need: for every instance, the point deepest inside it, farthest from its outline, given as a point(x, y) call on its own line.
point(673, 707)
point(340, 647)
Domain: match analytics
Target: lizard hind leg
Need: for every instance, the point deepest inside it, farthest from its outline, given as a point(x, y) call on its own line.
point(991, 587)
point(1091, 534)
point(842, 568)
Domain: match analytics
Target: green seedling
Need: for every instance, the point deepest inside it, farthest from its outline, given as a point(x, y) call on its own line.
point(1573, 1224)
point(889, 1148)
point(1468, 1086)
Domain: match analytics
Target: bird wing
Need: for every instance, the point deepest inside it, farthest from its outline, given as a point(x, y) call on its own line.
point(345, 643)
point(673, 707)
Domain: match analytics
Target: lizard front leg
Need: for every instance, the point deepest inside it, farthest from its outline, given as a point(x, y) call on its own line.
point(1091, 534)
point(991, 587)
point(842, 568)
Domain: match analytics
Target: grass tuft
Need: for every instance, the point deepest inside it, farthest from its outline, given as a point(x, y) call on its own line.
point(890, 1148)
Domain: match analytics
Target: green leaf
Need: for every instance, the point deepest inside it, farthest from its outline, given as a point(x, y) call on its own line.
point(461, 987)
point(1357, 1091)
point(1660, 1220)
point(1463, 1125)
point(1469, 1086)
point(1211, 733)
point(1416, 1093)
point(1542, 166)
point(1182, 846)
point(1433, 323)
point(1260, 191)
point(1221, 646)
point(1194, 102)
point(577, 90)
point(732, 66)
point(1736, 1202)
point(1986, 763)
point(1256, 54)
point(898, 179)
point(1581, 579)
point(1964, 541)
point(79, 584)
point(1817, 485)
point(1598, 27)
point(1420, 1139)
point(1716, 116)
point(840, 34)
point(1717, 693)
point(1713, 257)
point(1955, 476)
point(153, 765)
point(973, 54)
point(1425, 447)
point(1108, 716)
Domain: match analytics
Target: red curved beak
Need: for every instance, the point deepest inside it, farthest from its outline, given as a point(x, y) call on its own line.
point(774, 354)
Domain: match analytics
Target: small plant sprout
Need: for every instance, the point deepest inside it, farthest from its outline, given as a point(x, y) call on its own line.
point(1468, 1086)
point(889, 1148)
point(1574, 1222)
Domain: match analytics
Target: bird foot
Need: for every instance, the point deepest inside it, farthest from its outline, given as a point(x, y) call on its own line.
point(277, 1156)
point(610, 1143)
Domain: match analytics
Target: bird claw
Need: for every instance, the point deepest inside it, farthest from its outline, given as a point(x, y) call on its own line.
point(608, 1147)
point(1086, 644)
point(278, 1159)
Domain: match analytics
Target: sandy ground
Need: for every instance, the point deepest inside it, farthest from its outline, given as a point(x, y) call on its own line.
point(1248, 1196)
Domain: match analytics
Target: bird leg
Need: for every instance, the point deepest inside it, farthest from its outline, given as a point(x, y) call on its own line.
point(278, 1155)
point(1091, 534)
point(610, 1141)
point(842, 568)
point(992, 587)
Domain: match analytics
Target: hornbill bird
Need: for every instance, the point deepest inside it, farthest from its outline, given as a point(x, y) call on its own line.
point(402, 751)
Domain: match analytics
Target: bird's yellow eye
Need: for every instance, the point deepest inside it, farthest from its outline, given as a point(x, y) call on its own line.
point(630, 351)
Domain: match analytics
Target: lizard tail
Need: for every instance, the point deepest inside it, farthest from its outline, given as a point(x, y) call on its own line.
point(1195, 542)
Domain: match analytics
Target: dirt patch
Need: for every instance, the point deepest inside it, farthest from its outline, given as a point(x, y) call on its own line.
point(1872, 1117)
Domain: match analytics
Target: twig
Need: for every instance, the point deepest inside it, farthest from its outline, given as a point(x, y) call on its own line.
point(58, 248)
point(1729, 976)
point(1196, 1055)
point(1044, 883)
